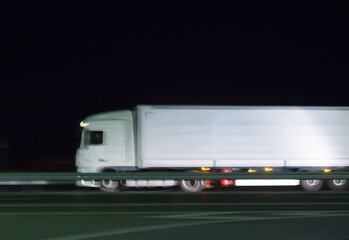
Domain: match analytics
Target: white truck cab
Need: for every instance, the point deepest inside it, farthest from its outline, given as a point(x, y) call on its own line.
point(107, 140)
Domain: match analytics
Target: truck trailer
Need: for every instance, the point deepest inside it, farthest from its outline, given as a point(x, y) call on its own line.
point(215, 138)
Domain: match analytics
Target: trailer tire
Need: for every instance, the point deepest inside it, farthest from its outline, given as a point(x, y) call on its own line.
point(191, 185)
point(312, 184)
point(338, 184)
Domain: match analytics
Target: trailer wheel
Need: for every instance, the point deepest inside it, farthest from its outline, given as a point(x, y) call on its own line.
point(312, 184)
point(191, 185)
point(338, 184)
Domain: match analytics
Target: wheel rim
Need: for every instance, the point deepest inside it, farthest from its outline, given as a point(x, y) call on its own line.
point(339, 182)
point(312, 182)
point(190, 184)
point(109, 183)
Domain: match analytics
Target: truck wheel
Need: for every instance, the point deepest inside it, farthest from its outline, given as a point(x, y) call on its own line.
point(337, 184)
point(108, 185)
point(312, 184)
point(191, 185)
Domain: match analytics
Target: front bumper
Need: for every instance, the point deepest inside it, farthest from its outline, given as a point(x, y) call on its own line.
point(89, 183)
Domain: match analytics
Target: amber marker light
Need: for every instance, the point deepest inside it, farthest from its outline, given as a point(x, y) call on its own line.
point(327, 170)
point(205, 169)
point(268, 169)
point(251, 170)
point(82, 124)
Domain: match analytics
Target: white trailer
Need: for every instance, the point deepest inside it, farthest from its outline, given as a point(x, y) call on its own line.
point(188, 138)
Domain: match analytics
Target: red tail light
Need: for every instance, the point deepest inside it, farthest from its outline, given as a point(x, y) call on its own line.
point(226, 182)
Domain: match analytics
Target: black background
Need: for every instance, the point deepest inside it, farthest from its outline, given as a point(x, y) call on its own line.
point(63, 61)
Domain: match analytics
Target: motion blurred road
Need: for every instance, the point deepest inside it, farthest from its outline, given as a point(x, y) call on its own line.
point(81, 214)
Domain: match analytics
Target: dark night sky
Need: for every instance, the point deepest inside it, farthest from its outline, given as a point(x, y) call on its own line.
point(64, 61)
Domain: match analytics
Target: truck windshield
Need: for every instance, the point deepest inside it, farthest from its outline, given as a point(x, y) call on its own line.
point(92, 137)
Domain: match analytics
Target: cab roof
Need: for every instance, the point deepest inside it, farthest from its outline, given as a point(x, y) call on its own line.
point(113, 115)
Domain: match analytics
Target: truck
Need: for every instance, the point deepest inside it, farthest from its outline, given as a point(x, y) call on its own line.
point(215, 139)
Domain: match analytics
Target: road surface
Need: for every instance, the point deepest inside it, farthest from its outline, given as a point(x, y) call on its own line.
point(159, 215)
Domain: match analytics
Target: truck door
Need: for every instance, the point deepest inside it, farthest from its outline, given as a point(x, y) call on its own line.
point(114, 151)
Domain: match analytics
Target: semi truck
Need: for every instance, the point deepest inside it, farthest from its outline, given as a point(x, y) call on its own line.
point(215, 139)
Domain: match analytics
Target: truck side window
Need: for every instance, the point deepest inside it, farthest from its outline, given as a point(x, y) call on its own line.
point(92, 137)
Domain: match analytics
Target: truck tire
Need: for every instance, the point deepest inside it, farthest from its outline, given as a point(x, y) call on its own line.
point(338, 184)
point(191, 185)
point(108, 185)
point(312, 184)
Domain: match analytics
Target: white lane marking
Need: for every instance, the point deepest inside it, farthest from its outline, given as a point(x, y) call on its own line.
point(220, 215)
point(185, 216)
point(134, 229)
point(77, 213)
point(216, 216)
point(16, 205)
point(156, 227)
